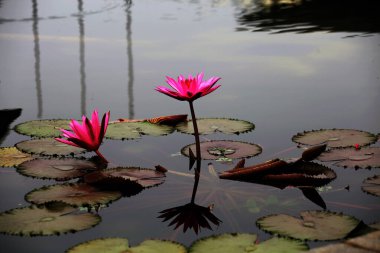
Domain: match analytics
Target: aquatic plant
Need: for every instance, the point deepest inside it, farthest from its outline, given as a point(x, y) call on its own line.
point(88, 135)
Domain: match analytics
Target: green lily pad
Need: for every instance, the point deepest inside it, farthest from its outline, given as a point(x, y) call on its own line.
point(43, 128)
point(52, 219)
point(366, 157)
point(142, 176)
point(48, 146)
point(11, 156)
point(133, 130)
point(214, 125)
point(120, 245)
point(103, 245)
point(372, 185)
point(158, 246)
point(213, 150)
point(78, 194)
point(243, 243)
point(335, 138)
point(313, 225)
point(56, 168)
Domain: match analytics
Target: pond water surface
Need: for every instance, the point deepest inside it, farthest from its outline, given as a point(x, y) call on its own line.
point(62, 59)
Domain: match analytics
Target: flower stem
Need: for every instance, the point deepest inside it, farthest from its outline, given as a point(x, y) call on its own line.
point(101, 156)
point(197, 150)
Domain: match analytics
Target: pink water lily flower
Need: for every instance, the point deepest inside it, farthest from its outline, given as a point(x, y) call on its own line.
point(88, 135)
point(189, 89)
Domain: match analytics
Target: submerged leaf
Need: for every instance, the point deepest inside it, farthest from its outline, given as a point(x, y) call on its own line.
point(353, 158)
point(43, 128)
point(244, 243)
point(103, 245)
point(56, 168)
point(78, 194)
point(11, 156)
point(314, 225)
point(213, 150)
point(335, 138)
point(52, 219)
point(48, 146)
point(133, 130)
point(213, 125)
point(372, 185)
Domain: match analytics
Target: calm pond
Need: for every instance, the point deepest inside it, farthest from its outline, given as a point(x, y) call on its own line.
point(287, 68)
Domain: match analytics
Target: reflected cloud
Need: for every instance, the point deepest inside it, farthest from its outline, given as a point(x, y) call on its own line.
point(37, 58)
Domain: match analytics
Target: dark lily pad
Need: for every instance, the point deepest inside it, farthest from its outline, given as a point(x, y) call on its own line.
point(213, 150)
point(78, 194)
point(52, 219)
point(48, 146)
point(142, 176)
point(214, 125)
point(103, 245)
point(133, 130)
point(56, 168)
point(335, 138)
point(313, 225)
point(121, 245)
point(11, 156)
point(242, 243)
point(372, 185)
point(43, 128)
point(366, 157)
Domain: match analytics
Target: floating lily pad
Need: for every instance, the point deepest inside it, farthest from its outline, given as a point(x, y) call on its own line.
point(133, 130)
point(48, 146)
point(78, 194)
point(335, 138)
point(11, 156)
point(56, 168)
point(242, 243)
point(213, 150)
point(313, 225)
point(43, 128)
point(366, 157)
point(372, 185)
point(214, 125)
point(103, 245)
point(52, 219)
point(142, 176)
point(120, 245)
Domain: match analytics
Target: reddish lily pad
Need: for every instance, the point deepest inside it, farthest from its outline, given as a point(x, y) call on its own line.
point(335, 138)
point(242, 243)
point(11, 156)
point(372, 185)
point(48, 146)
point(366, 157)
point(52, 219)
point(56, 168)
point(78, 194)
point(143, 176)
point(133, 130)
point(213, 150)
point(43, 128)
point(313, 225)
point(214, 125)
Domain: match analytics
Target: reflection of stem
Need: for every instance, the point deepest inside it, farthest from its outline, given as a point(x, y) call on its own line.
point(198, 151)
point(81, 57)
point(130, 61)
point(101, 156)
point(37, 59)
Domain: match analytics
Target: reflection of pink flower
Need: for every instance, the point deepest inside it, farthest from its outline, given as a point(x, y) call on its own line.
point(189, 89)
point(89, 134)
point(357, 146)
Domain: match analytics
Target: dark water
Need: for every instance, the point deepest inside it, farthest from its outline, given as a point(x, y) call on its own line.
point(285, 69)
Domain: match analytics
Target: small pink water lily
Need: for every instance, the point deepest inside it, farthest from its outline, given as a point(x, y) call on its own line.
point(88, 135)
point(189, 89)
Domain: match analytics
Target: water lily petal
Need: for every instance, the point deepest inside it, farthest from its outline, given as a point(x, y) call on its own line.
point(67, 142)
